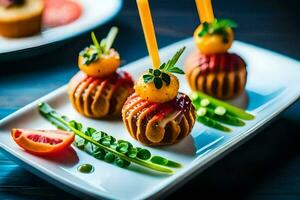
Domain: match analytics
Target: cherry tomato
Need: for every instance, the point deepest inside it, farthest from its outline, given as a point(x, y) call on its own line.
point(42, 142)
point(106, 65)
point(211, 44)
point(149, 92)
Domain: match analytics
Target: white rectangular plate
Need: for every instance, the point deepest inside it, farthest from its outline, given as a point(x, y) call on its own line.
point(94, 13)
point(272, 86)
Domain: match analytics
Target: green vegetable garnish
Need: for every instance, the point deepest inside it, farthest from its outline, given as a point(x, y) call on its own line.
point(218, 26)
point(219, 110)
point(95, 51)
point(201, 111)
point(96, 43)
point(211, 112)
point(89, 54)
point(163, 161)
point(158, 76)
point(204, 102)
point(225, 118)
point(109, 40)
point(86, 168)
point(212, 123)
point(103, 146)
point(229, 108)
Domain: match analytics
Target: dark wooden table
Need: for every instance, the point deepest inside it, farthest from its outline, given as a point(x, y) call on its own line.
point(266, 167)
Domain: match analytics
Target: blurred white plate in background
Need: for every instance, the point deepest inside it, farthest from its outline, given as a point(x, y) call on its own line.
point(95, 13)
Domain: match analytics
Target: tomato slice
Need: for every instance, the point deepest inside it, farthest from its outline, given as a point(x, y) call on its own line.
point(42, 142)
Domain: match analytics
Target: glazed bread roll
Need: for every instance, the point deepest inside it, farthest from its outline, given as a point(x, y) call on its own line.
point(20, 20)
point(221, 75)
point(156, 124)
point(100, 97)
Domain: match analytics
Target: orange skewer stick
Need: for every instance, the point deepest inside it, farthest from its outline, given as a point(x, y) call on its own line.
point(205, 11)
point(149, 32)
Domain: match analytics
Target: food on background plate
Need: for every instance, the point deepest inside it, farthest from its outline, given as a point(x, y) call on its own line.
point(105, 147)
point(42, 142)
point(61, 12)
point(20, 18)
point(211, 68)
point(157, 114)
point(214, 113)
point(99, 89)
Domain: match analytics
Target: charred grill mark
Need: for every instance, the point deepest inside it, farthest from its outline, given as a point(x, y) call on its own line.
point(175, 129)
point(134, 116)
point(225, 86)
point(72, 87)
point(79, 93)
point(185, 127)
point(98, 106)
point(237, 83)
point(214, 87)
point(143, 118)
point(196, 74)
point(87, 98)
point(118, 99)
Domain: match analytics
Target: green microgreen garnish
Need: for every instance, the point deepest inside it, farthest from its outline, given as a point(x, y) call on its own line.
point(89, 54)
point(105, 147)
point(96, 50)
point(96, 43)
point(109, 40)
point(218, 26)
point(158, 76)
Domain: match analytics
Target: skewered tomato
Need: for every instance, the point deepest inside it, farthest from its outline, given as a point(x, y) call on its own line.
point(149, 92)
point(213, 43)
point(42, 142)
point(106, 65)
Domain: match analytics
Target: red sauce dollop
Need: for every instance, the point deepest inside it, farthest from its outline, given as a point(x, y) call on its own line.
point(60, 12)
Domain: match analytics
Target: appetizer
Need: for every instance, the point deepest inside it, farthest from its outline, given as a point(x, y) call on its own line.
point(211, 68)
point(105, 147)
point(42, 142)
point(157, 114)
point(20, 18)
point(99, 90)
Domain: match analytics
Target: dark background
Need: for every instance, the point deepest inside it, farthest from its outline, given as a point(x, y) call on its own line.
point(266, 167)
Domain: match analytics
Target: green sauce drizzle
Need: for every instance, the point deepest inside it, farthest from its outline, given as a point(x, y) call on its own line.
point(86, 168)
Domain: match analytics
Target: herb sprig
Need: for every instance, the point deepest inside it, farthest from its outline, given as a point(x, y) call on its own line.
point(158, 76)
point(96, 50)
point(105, 147)
point(218, 26)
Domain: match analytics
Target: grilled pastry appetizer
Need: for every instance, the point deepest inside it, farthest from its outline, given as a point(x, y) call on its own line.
point(211, 68)
point(157, 114)
point(20, 18)
point(99, 90)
